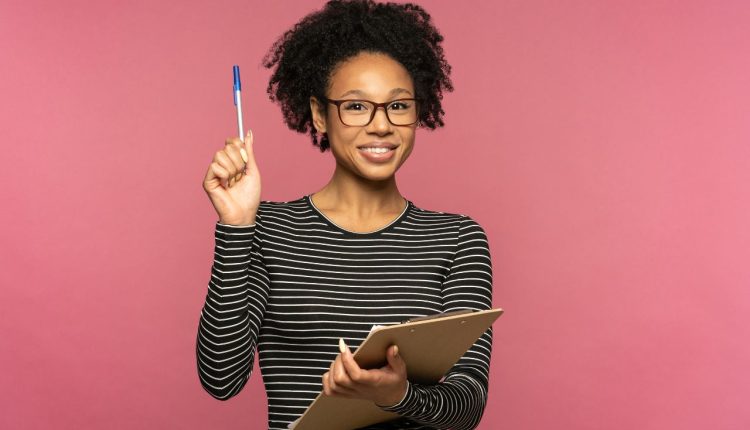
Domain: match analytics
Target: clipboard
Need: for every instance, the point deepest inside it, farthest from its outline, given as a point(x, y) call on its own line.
point(430, 346)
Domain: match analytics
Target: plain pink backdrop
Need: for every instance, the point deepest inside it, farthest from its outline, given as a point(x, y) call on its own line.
point(604, 147)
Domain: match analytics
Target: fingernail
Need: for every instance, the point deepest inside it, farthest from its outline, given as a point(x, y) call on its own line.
point(342, 345)
point(243, 153)
point(395, 350)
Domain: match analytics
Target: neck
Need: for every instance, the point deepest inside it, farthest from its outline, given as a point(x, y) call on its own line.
point(350, 193)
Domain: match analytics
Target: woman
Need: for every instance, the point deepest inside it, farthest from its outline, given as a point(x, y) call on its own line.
point(299, 279)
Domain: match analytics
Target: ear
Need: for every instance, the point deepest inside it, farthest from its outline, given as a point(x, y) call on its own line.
point(318, 114)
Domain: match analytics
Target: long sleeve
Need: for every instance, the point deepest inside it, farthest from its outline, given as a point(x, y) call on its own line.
point(233, 311)
point(458, 401)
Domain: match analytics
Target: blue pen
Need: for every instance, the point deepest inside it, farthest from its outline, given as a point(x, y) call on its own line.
point(237, 100)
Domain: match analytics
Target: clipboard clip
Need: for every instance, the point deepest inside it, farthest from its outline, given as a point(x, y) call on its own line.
point(440, 315)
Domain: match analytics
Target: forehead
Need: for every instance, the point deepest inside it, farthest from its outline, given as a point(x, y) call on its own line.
point(370, 75)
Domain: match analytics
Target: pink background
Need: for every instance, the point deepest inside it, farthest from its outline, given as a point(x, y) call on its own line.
point(604, 146)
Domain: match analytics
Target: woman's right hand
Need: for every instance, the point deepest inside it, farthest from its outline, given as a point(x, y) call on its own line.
point(233, 182)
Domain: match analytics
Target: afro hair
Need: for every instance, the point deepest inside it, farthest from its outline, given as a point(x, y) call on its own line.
point(306, 55)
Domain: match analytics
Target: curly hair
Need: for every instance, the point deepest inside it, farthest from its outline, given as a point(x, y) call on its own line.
point(306, 55)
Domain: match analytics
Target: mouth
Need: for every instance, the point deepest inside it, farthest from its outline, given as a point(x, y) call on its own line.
point(377, 148)
point(377, 152)
point(372, 150)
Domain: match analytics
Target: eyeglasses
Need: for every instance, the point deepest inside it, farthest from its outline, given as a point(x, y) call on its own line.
point(359, 113)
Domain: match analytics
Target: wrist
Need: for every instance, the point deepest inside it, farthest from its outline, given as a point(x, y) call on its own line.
point(237, 223)
point(245, 222)
point(396, 398)
point(241, 218)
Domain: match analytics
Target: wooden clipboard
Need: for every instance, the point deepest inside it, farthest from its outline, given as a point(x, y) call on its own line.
point(430, 346)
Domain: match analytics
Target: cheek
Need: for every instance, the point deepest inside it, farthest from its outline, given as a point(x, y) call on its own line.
point(407, 140)
point(407, 152)
point(341, 146)
point(341, 134)
point(342, 140)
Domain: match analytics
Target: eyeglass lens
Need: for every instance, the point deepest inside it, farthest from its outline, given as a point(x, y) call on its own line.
point(361, 112)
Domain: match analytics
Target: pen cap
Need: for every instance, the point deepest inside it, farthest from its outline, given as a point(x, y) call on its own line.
point(236, 72)
point(237, 86)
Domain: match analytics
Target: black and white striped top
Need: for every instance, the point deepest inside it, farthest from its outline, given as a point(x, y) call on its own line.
point(294, 282)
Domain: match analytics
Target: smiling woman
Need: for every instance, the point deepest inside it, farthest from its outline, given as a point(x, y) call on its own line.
point(364, 139)
point(301, 280)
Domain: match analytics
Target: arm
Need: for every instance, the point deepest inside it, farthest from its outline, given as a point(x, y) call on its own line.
point(233, 311)
point(458, 401)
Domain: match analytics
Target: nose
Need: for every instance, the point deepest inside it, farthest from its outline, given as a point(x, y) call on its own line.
point(380, 123)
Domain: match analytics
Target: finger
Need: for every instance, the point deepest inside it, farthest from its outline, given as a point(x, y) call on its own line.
point(223, 159)
point(246, 151)
point(233, 141)
point(335, 391)
point(329, 377)
point(355, 373)
point(339, 377)
point(249, 153)
point(219, 172)
point(395, 360)
point(243, 156)
point(341, 390)
point(326, 388)
point(346, 392)
point(330, 381)
point(232, 150)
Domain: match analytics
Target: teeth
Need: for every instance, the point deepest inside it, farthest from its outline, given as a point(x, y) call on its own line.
point(376, 150)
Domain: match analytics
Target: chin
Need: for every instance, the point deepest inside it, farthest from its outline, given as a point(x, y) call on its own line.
point(375, 174)
point(378, 177)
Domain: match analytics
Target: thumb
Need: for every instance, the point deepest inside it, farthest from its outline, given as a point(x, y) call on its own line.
point(395, 360)
point(248, 156)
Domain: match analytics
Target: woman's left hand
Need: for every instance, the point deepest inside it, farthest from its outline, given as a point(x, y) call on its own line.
point(385, 386)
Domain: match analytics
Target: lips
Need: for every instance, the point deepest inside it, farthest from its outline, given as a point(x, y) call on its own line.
point(381, 155)
point(378, 145)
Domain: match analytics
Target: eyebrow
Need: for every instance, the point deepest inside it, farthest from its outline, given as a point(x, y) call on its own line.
point(362, 93)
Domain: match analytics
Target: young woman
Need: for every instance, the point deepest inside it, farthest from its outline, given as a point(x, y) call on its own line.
point(297, 279)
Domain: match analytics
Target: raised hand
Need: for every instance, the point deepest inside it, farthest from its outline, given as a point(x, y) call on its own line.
point(232, 182)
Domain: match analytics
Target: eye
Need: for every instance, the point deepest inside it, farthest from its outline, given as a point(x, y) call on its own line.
point(355, 106)
point(400, 105)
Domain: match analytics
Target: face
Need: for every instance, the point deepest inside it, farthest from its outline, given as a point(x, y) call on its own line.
point(378, 78)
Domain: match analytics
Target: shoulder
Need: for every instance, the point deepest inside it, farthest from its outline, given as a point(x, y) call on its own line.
point(466, 230)
point(461, 221)
point(287, 209)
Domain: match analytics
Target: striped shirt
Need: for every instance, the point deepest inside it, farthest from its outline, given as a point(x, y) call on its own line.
point(294, 282)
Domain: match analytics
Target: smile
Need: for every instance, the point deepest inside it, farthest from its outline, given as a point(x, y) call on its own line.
point(376, 150)
point(376, 155)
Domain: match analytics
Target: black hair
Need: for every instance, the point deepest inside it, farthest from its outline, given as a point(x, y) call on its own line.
point(306, 55)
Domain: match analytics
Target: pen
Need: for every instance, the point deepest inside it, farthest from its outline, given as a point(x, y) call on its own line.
point(237, 100)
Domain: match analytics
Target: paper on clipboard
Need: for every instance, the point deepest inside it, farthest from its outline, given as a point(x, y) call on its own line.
point(430, 346)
